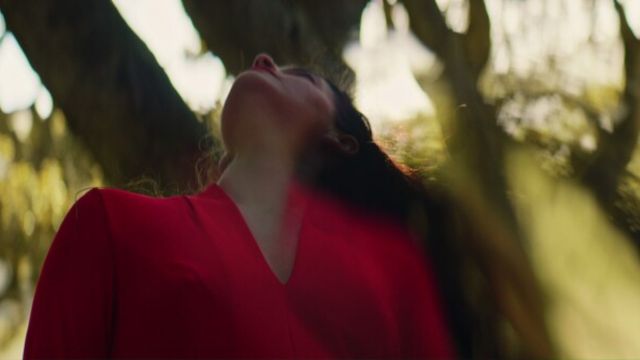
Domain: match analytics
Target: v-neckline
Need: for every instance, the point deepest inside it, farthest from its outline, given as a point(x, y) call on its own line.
point(299, 194)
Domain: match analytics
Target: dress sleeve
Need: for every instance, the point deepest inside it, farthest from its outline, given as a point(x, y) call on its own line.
point(71, 313)
point(425, 333)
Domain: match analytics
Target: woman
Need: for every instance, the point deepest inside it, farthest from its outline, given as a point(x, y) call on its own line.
point(268, 261)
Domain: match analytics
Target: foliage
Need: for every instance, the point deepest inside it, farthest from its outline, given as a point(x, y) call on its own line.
point(43, 170)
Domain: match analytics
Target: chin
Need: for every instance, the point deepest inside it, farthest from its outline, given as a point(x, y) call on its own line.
point(252, 81)
point(254, 93)
point(253, 97)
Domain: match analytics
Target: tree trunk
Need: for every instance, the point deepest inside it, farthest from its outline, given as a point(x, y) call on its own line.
point(477, 149)
point(306, 32)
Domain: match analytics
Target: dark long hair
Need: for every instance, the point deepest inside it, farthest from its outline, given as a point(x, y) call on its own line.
point(371, 179)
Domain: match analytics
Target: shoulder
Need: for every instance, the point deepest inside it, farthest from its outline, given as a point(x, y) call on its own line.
point(113, 195)
point(87, 210)
point(111, 200)
point(124, 202)
point(88, 203)
point(83, 233)
point(126, 212)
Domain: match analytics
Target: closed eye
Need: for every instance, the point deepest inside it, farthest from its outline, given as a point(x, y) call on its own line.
point(308, 76)
point(302, 72)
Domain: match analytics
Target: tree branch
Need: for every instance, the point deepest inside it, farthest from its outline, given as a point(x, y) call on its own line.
point(115, 96)
point(615, 149)
point(602, 172)
point(477, 146)
point(429, 24)
point(478, 37)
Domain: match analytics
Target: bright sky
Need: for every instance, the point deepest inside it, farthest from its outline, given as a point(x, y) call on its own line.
point(383, 60)
point(170, 35)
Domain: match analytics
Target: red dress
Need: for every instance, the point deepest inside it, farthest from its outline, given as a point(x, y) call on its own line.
point(134, 276)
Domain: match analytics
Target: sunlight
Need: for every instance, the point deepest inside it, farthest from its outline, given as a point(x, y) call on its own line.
point(633, 15)
point(19, 84)
point(537, 37)
point(386, 88)
point(168, 32)
point(44, 103)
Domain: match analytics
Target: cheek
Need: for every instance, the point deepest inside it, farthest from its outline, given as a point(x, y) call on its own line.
point(319, 116)
point(307, 109)
point(303, 119)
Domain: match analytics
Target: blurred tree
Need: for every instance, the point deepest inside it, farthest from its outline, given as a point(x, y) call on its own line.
point(115, 96)
point(602, 171)
point(38, 171)
point(477, 146)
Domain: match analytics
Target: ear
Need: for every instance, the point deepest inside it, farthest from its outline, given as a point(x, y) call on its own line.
point(349, 144)
point(346, 143)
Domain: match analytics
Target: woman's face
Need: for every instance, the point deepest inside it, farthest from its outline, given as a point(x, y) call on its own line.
point(271, 108)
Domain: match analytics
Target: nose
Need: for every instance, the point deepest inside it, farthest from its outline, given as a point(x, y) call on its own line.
point(265, 61)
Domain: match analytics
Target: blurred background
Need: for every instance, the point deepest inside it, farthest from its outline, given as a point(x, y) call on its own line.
point(526, 110)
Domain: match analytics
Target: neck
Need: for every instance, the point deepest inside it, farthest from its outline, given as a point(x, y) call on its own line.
point(260, 186)
point(259, 179)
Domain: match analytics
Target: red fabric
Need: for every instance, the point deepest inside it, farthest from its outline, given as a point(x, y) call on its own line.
point(133, 276)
